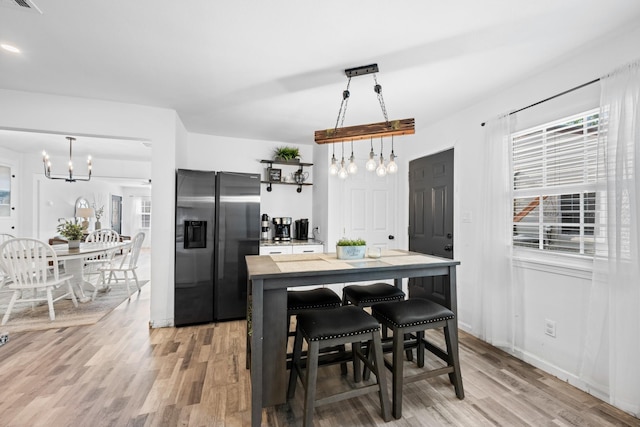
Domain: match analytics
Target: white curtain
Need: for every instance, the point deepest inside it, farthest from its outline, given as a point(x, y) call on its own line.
point(611, 361)
point(493, 311)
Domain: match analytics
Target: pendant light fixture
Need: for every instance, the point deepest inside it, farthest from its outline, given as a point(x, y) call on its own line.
point(47, 165)
point(381, 170)
point(355, 133)
point(392, 166)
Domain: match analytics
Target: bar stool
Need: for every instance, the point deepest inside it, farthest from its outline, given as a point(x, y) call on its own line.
point(417, 315)
point(312, 299)
point(330, 328)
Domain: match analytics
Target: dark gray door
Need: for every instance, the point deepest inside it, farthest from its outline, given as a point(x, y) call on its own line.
point(431, 217)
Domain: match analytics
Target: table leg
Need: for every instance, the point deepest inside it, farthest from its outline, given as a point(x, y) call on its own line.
point(75, 267)
point(257, 312)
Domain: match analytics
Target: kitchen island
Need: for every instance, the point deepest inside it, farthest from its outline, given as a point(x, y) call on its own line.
point(269, 276)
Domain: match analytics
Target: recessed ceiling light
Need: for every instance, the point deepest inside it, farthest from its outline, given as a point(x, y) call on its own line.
point(10, 48)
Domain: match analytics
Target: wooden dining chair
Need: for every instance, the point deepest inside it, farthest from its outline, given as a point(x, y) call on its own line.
point(27, 263)
point(124, 266)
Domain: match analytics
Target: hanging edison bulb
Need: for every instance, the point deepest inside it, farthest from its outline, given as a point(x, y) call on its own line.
point(392, 166)
point(353, 167)
point(333, 167)
point(342, 173)
point(381, 170)
point(371, 163)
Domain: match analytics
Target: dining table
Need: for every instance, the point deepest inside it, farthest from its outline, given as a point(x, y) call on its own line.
point(269, 276)
point(74, 261)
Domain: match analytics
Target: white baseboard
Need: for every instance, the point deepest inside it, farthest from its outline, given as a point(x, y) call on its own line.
point(163, 323)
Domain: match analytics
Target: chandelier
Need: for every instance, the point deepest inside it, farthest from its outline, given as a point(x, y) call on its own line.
point(70, 178)
point(353, 133)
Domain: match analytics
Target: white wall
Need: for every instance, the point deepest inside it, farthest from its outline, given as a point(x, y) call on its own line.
point(216, 153)
point(558, 292)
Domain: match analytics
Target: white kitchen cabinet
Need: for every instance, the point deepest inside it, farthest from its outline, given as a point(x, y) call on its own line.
point(308, 249)
point(276, 250)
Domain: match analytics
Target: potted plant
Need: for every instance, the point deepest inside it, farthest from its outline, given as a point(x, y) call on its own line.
point(286, 154)
point(72, 231)
point(351, 248)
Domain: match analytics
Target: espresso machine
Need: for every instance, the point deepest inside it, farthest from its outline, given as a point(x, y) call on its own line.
point(264, 227)
point(282, 229)
point(302, 229)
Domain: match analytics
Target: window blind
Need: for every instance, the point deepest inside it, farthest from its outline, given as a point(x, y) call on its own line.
point(554, 177)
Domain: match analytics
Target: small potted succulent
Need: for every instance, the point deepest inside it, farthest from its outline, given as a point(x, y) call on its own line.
point(351, 248)
point(72, 231)
point(286, 154)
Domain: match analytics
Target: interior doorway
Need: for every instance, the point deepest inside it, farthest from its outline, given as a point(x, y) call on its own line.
point(116, 213)
point(431, 217)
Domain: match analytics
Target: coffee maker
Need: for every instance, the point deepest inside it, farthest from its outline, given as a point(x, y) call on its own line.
point(282, 231)
point(302, 229)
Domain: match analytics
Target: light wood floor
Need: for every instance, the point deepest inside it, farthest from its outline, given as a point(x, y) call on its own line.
point(121, 373)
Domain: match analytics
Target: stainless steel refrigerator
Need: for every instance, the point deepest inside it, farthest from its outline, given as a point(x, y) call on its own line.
point(217, 224)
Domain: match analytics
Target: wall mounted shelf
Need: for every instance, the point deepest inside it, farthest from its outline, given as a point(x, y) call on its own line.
point(299, 165)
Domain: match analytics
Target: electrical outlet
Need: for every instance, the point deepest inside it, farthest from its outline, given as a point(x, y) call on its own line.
point(550, 327)
point(316, 230)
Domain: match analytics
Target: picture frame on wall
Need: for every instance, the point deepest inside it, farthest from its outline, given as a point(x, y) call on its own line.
point(275, 175)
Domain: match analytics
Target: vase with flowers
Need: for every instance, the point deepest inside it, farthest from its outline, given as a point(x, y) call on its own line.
point(99, 211)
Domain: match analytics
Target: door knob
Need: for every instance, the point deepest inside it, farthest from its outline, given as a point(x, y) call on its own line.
point(391, 237)
point(448, 248)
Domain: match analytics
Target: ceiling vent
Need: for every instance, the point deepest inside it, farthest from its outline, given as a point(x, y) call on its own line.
point(25, 5)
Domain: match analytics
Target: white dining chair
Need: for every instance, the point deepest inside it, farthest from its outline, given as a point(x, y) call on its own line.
point(4, 276)
point(125, 266)
point(91, 264)
point(27, 263)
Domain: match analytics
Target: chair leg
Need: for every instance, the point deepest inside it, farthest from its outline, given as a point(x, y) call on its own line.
point(52, 313)
point(397, 373)
point(380, 375)
point(295, 365)
point(310, 383)
point(73, 294)
point(14, 297)
point(135, 276)
point(126, 279)
point(356, 348)
point(420, 350)
point(454, 360)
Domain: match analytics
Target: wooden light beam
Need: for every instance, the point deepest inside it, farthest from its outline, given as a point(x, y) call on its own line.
point(354, 133)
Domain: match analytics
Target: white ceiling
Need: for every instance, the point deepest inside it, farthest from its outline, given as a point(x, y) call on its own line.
point(274, 70)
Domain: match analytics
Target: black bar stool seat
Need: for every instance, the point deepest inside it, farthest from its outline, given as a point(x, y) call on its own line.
point(417, 315)
point(330, 328)
point(367, 295)
point(298, 301)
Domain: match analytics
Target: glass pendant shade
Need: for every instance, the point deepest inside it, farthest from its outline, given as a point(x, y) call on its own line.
point(381, 170)
point(392, 166)
point(333, 168)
